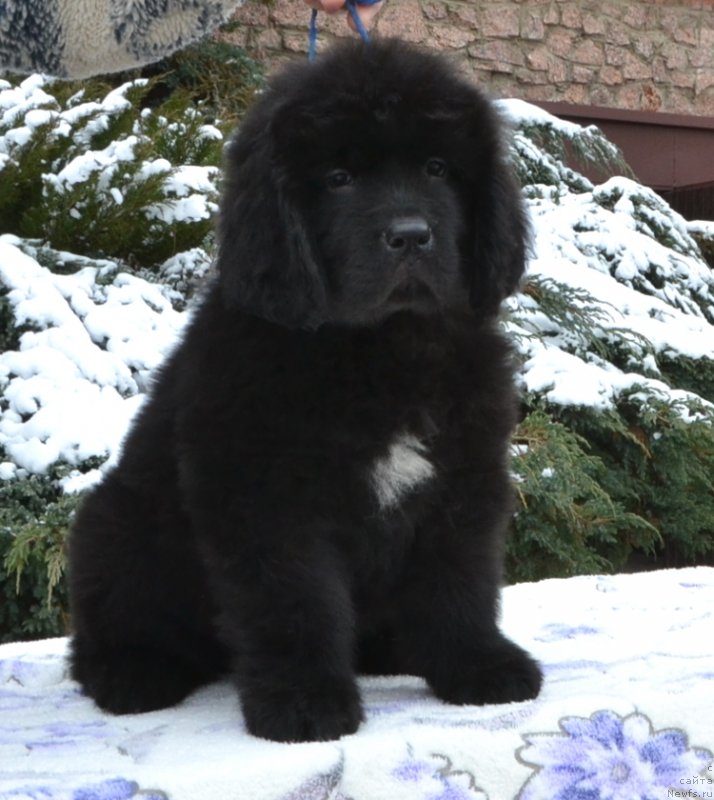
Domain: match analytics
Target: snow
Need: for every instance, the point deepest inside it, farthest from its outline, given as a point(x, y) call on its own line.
point(15, 102)
point(661, 298)
point(667, 319)
point(72, 387)
point(81, 169)
point(519, 113)
point(90, 339)
point(566, 379)
point(701, 226)
point(188, 187)
point(99, 114)
point(190, 178)
point(185, 209)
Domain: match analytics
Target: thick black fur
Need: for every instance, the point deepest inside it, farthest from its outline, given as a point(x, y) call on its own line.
point(369, 230)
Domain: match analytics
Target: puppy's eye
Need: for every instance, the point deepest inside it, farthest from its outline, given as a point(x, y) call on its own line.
point(436, 167)
point(338, 178)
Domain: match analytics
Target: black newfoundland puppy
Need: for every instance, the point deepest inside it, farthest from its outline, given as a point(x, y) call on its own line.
point(318, 485)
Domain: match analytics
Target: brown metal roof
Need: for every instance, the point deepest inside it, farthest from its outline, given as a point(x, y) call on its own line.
point(665, 151)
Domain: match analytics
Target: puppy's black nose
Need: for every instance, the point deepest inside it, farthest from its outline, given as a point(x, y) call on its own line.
point(408, 233)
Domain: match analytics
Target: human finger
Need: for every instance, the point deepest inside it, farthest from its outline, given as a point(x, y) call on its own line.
point(330, 6)
point(365, 13)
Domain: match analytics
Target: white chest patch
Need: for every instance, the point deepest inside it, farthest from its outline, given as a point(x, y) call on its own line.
point(403, 468)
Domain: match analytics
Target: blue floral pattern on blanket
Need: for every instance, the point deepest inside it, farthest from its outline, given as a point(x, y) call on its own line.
point(608, 757)
point(437, 779)
point(625, 715)
point(602, 757)
point(113, 789)
point(423, 778)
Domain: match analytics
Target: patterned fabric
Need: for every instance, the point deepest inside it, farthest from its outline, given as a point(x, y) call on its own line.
point(625, 714)
point(72, 38)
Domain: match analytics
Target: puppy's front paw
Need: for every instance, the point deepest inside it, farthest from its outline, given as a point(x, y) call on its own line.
point(298, 715)
point(505, 674)
point(131, 680)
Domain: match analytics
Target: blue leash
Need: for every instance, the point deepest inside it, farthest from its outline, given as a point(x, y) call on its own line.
point(352, 8)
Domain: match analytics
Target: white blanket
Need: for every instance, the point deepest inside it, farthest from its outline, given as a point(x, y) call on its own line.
point(627, 713)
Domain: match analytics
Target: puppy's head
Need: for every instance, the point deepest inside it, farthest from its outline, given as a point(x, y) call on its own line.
point(371, 182)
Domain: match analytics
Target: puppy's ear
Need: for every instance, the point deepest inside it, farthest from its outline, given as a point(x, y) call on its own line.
point(501, 238)
point(265, 262)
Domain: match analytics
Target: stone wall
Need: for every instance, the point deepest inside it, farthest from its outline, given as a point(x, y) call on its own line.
point(651, 55)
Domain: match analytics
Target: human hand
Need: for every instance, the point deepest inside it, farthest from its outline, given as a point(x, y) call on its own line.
point(366, 13)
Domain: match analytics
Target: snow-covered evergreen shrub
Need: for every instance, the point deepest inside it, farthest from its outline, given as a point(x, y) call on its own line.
point(95, 174)
point(615, 328)
point(702, 231)
point(85, 173)
point(107, 232)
